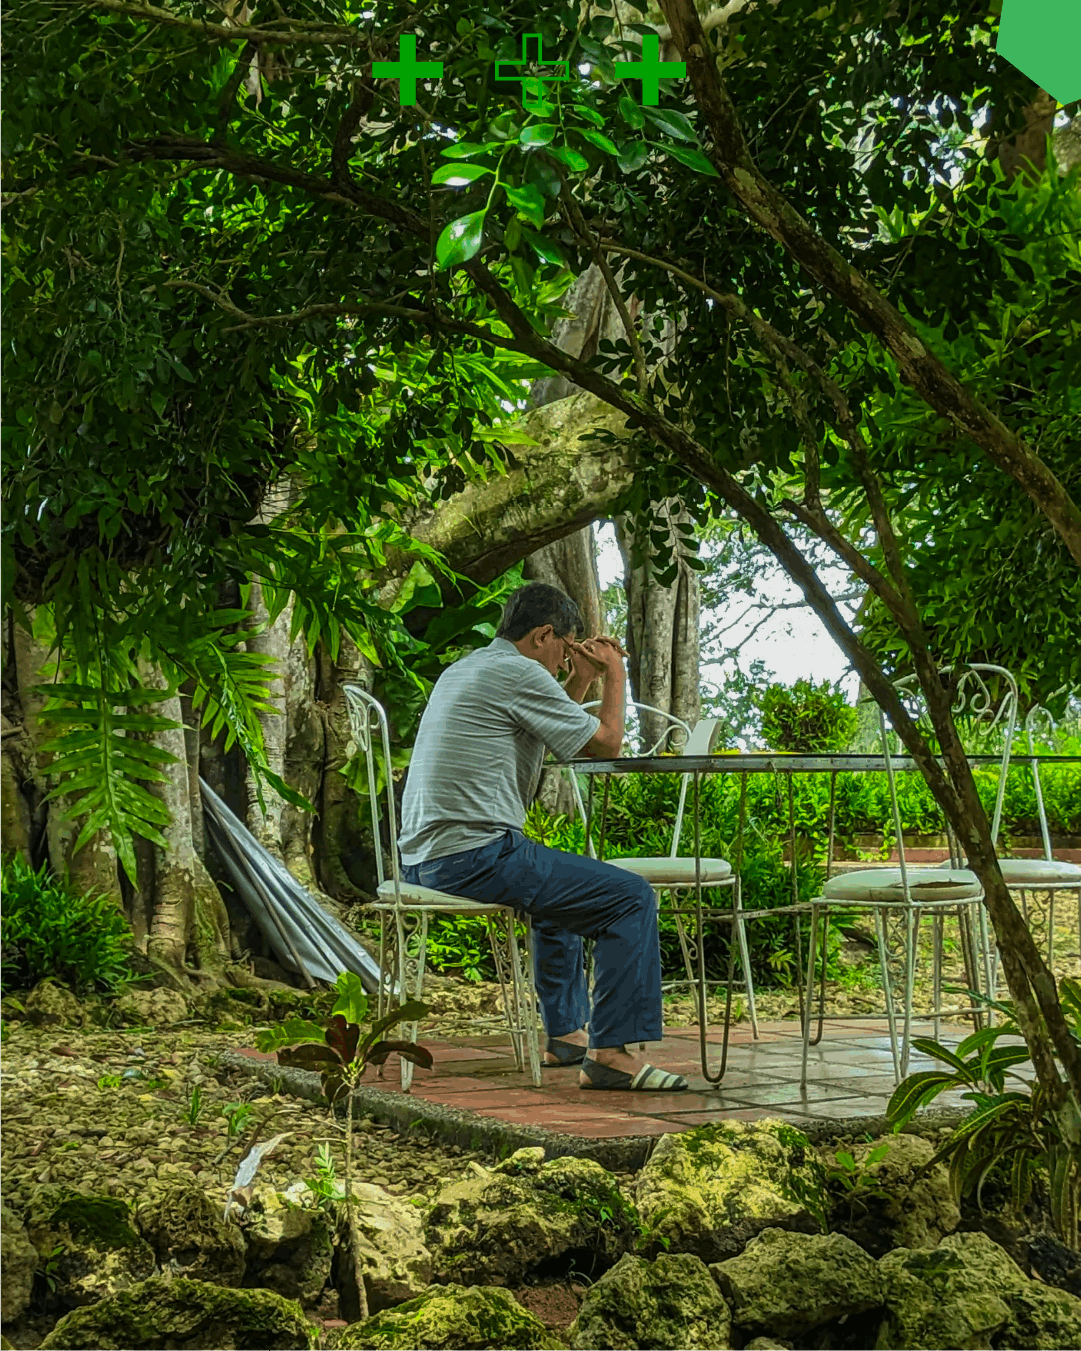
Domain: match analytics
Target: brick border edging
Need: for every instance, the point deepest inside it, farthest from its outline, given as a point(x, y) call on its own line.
point(468, 1130)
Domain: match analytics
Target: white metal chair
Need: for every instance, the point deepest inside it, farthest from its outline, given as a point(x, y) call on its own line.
point(1047, 874)
point(404, 909)
point(900, 897)
point(673, 873)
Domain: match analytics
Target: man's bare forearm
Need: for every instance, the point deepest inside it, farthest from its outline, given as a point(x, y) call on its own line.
point(576, 686)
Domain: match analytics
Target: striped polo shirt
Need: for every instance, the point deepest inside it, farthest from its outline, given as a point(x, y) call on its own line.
point(477, 761)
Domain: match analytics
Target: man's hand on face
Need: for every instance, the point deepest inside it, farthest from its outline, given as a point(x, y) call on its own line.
point(595, 656)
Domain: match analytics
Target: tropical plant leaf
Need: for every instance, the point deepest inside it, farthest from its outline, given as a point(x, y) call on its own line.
point(290, 1032)
point(308, 1057)
point(541, 134)
point(408, 1050)
point(342, 1037)
point(915, 1092)
point(528, 201)
point(352, 1000)
point(693, 159)
point(412, 1011)
point(675, 124)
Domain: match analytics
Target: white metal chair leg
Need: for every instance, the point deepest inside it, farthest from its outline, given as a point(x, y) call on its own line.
point(1051, 929)
point(745, 958)
point(938, 921)
point(528, 1006)
point(408, 1031)
point(501, 939)
point(912, 937)
point(812, 944)
point(884, 967)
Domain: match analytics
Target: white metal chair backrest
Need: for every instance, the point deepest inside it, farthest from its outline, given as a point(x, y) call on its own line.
point(1045, 833)
point(366, 715)
point(973, 696)
point(694, 742)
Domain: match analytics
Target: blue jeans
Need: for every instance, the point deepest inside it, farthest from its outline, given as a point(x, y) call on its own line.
point(569, 897)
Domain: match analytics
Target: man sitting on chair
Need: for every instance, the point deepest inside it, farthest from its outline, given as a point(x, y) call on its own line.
point(475, 767)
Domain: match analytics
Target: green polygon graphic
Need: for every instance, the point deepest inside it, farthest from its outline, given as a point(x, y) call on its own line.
point(532, 83)
point(651, 69)
point(1042, 38)
point(407, 68)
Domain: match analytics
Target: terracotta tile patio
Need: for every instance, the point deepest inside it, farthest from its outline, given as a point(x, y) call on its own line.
point(850, 1077)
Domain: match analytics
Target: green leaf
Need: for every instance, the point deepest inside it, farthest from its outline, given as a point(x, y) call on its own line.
point(461, 240)
point(631, 113)
point(528, 201)
point(634, 155)
point(352, 1001)
point(410, 1012)
point(590, 114)
point(675, 124)
point(291, 1032)
point(464, 150)
point(694, 159)
point(461, 172)
point(545, 248)
point(571, 158)
point(543, 133)
point(408, 1050)
point(598, 139)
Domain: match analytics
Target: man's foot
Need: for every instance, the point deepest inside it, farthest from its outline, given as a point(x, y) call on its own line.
point(579, 1038)
point(613, 1067)
point(616, 1058)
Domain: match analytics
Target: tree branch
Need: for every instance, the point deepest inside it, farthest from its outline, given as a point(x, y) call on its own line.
point(921, 368)
point(298, 35)
point(581, 228)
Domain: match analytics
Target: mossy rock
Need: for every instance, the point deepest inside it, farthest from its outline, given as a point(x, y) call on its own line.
point(523, 1219)
point(789, 1284)
point(957, 1294)
point(190, 1237)
point(446, 1318)
point(711, 1189)
point(1042, 1318)
point(672, 1302)
point(185, 1315)
point(100, 1252)
point(903, 1201)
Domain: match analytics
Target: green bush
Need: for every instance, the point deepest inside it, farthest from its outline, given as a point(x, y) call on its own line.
point(49, 929)
point(807, 718)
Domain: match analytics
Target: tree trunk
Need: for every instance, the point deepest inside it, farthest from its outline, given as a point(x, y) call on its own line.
point(182, 910)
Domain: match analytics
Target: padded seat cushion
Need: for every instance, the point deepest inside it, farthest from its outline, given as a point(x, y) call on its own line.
point(414, 894)
point(884, 884)
point(675, 871)
point(1031, 872)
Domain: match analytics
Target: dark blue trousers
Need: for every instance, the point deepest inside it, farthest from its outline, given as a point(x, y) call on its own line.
point(569, 897)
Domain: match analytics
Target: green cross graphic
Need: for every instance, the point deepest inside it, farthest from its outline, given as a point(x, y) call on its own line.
point(532, 85)
point(652, 69)
point(409, 67)
point(1042, 38)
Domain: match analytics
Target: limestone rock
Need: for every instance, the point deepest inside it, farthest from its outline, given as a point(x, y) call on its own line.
point(151, 1008)
point(787, 1284)
point(672, 1302)
point(897, 1209)
point(97, 1252)
point(185, 1315)
point(1042, 1318)
point(290, 1245)
point(767, 1344)
point(19, 1260)
point(186, 1230)
point(711, 1189)
point(954, 1295)
point(395, 1260)
point(51, 1005)
point(501, 1227)
point(447, 1317)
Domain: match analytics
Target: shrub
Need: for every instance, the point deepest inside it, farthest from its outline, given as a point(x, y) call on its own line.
point(807, 718)
point(49, 929)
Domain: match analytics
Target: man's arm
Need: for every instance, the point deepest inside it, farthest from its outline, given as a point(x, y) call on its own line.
point(607, 742)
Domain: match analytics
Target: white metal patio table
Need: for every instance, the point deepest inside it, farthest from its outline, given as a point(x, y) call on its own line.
point(745, 763)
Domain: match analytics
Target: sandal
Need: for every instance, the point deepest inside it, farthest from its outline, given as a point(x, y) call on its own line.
point(566, 1051)
point(648, 1079)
